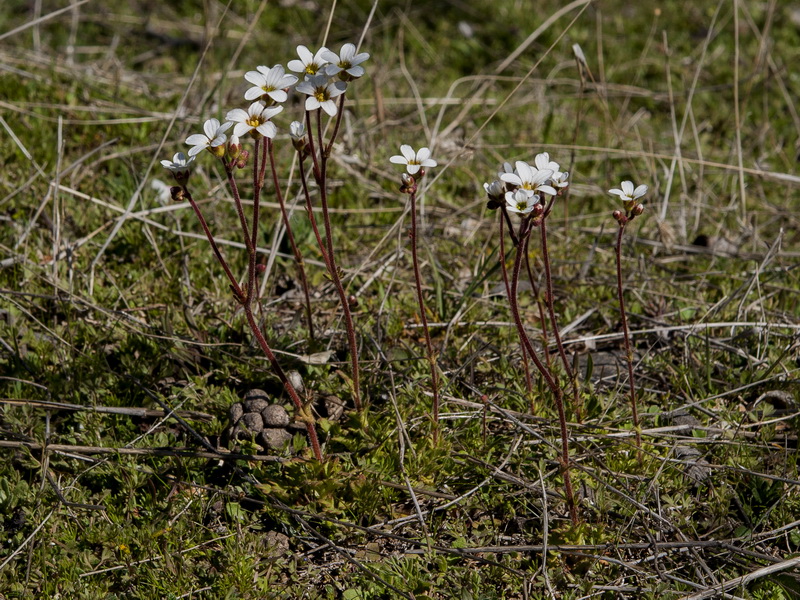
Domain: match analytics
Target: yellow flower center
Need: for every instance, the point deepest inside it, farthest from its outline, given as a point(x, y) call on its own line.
point(321, 95)
point(254, 121)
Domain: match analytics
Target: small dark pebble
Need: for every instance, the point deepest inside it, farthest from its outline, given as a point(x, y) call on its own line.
point(252, 422)
point(274, 439)
point(275, 415)
point(235, 412)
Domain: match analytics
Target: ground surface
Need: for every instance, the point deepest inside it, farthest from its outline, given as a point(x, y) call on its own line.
point(111, 311)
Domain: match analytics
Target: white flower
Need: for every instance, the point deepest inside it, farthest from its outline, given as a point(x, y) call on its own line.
point(255, 121)
point(213, 137)
point(321, 93)
point(309, 63)
point(297, 129)
point(347, 61)
point(520, 202)
point(414, 161)
point(179, 165)
point(269, 82)
point(628, 193)
point(559, 180)
point(494, 190)
point(530, 179)
point(542, 162)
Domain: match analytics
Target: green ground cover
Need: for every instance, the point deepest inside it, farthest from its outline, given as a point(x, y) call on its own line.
point(110, 312)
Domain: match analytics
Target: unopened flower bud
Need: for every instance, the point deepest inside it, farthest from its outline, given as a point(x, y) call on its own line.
point(260, 269)
point(637, 210)
point(408, 184)
point(297, 130)
point(619, 217)
point(241, 162)
point(176, 191)
point(234, 147)
point(537, 210)
point(352, 302)
point(495, 190)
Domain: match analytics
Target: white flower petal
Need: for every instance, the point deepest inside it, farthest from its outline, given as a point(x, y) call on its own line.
point(312, 103)
point(255, 78)
point(640, 191)
point(356, 71)
point(237, 115)
point(242, 129)
point(423, 154)
point(267, 129)
point(210, 128)
point(278, 95)
point(305, 54)
point(627, 187)
point(408, 152)
point(196, 139)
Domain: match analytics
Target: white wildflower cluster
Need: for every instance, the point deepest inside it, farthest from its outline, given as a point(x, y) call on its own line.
point(324, 74)
point(629, 196)
point(523, 186)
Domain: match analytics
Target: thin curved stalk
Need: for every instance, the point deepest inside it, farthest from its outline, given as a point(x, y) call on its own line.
point(321, 167)
point(626, 336)
point(551, 309)
point(298, 257)
point(549, 380)
point(424, 318)
point(535, 292)
point(504, 271)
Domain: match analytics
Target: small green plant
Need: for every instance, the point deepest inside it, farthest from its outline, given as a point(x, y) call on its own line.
point(326, 77)
point(629, 196)
point(416, 162)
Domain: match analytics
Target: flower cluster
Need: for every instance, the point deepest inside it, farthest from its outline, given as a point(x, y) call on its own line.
point(523, 185)
point(324, 78)
point(629, 196)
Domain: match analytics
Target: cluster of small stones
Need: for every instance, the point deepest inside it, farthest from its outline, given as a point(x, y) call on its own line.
point(269, 424)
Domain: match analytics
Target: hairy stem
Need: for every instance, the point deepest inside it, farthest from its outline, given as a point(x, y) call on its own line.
point(548, 377)
point(539, 306)
point(305, 414)
point(504, 271)
point(321, 163)
point(237, 290)
point(298, 257)
point(424, 318)
point(551, 309)
point(626, 336)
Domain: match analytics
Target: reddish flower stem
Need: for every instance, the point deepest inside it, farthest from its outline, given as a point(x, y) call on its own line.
point(305, 414)
point(310, 211)
point(626, 336)
point(320, 173)
point(504, 271)
point(298, 257)
point(535, 292)
point(424, 318)
point(551, 309)
point(246, 299)
point(549, 380)
point(237, 290)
